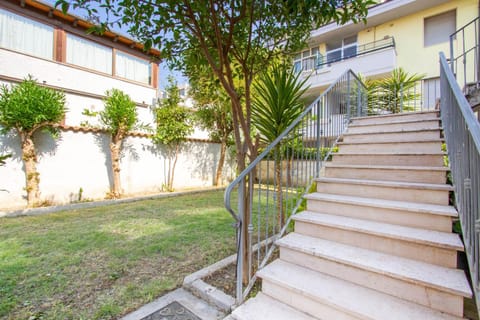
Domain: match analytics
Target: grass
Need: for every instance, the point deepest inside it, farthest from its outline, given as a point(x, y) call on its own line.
point(101, 263)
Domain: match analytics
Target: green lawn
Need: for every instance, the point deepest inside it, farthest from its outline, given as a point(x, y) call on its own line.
point(101, 263)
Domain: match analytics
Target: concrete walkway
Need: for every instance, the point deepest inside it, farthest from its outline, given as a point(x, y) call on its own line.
point(196, 296)
point(198, 307)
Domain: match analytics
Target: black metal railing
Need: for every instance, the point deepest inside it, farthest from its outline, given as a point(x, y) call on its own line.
point(271, 189)
point(462, 135)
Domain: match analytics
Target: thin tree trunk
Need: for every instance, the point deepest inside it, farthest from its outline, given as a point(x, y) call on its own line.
point(169, 169)
point(115, 146)
point(172, 172)
point(32, 179)
point(221, 161)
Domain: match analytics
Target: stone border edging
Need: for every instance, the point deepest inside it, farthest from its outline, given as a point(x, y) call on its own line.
point(209, 293)
point(101, 203)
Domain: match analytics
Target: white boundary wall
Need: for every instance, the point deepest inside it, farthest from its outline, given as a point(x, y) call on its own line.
point(82, 160)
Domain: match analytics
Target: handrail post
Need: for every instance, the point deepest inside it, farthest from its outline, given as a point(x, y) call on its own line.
point(241, 243)
point(451, 54)
point(400, 110)
point(318, 142)
point(359, 101)
point(348, 92)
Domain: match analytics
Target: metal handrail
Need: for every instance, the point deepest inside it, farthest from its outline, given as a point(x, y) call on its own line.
point(348, 96)
point(468, 46)
point(462, 135)
point(275, 142)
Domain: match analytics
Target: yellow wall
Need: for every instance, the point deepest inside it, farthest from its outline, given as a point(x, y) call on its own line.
point(408, 34)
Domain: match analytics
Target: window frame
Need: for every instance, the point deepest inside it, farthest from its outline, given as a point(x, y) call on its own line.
point(342, 49)
point(149, 64)
point(35, 21)
point(432, 41)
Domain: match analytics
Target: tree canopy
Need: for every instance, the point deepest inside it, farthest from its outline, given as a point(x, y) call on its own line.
point(236, 39)
point(26, 108)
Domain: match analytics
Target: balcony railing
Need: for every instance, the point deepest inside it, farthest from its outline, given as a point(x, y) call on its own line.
point(319, 61)
point(465, 55)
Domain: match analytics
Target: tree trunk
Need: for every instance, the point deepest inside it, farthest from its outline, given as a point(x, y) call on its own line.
point(32, 179)
point(221, 161)
point(115, 146)
point(172, 169)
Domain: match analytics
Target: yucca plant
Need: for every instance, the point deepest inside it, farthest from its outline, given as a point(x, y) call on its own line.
point(395, 94)
point(277, 102)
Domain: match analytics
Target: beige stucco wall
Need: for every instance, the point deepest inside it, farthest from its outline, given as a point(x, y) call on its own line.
point(408, 32)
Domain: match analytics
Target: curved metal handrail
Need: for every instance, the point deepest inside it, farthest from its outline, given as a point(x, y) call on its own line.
point(342, 87)
point(253, 164)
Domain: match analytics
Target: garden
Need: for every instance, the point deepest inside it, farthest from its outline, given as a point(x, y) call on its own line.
point(103, 262)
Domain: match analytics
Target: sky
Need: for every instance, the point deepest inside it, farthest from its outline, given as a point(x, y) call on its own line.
point(163, 71)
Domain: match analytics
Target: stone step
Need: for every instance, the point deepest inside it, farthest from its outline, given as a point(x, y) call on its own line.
point(435, 247)
point(263, 307)
point(432, 175)
point(397, 117)
point(388, 190)
point(413, 147)
point(398, 159)
point(394, 126)
point(408, 214)
point(432, 286)
point(332, 298)
point(393, 136)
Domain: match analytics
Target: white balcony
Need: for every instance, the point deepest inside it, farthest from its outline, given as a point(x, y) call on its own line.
point(375, 59)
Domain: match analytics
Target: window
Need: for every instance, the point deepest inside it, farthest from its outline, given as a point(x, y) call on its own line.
point(133, 68)
point(88, 54)
point(437, 29)
point(307, 60)
point(25, 35)
point(340, 49)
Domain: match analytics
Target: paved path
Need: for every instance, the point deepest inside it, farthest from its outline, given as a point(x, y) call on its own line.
point(198, 307)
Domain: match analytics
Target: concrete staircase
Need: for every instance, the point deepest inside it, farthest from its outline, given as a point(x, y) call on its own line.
point(376, 240)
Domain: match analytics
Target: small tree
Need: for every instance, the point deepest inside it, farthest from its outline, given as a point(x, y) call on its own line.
point(213, 110)
point(118, 118)
point(215, 118)
point(276, 104)
point(172, 128)
point(25, 109)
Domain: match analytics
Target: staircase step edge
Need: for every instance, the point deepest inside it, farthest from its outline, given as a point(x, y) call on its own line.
point(388, 204)
point(385, 183)
point(448, 280)
point(319, 287)
point(437, 239)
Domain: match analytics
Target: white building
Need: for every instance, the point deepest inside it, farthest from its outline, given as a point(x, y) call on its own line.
point(39, 40)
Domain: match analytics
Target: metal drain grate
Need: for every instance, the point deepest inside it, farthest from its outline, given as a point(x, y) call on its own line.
point(172, 311)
